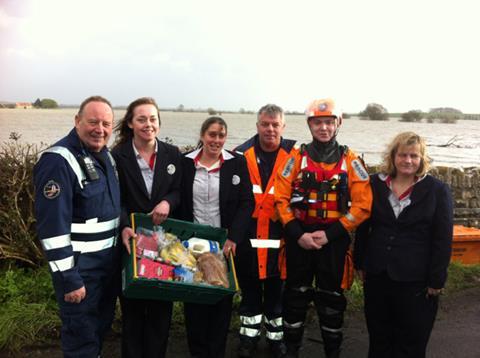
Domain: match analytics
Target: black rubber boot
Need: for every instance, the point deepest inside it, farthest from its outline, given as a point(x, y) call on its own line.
point(278, 349)
point(246, 348)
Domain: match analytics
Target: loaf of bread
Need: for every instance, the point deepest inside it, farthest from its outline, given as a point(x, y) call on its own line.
point(213, 268)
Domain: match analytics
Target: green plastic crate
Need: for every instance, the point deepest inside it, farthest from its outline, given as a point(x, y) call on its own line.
point(140, 287)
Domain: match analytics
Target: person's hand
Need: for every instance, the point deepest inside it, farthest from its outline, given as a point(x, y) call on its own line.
point(308, 242)
point(361, 275)
point(76, 296)
point(160, 212)
point(320, 237)
point(228, 247)
point(127, 234)
point(434, 291)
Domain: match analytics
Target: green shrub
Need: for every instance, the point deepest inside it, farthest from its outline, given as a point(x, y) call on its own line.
point(412, 116)
point(17, 221)
point(28, 310)
point(374, 112)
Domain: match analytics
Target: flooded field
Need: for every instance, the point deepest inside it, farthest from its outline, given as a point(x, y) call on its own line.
point(364, 137)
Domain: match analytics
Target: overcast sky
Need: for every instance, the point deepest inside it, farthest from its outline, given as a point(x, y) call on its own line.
point(409, 54)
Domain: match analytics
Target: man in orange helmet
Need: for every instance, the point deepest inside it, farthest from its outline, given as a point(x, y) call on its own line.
point(322, 194)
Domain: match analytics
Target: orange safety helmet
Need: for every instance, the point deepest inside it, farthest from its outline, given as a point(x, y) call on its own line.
point(323, 108)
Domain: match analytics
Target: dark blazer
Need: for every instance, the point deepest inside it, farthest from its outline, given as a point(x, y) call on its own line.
point(416, 246)
point(166, 179)
point(236, 197)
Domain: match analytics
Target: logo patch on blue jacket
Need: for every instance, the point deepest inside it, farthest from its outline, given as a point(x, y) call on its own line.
point(51, 190)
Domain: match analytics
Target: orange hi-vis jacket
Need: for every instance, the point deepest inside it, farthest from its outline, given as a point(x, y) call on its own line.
point(265, 211)
point(359, 191)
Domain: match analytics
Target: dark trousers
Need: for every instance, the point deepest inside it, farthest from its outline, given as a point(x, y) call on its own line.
point(207, 327)
point(85, 324)
point(399, 317)
point(325, 268)
point(145, 327)
point(262, 297)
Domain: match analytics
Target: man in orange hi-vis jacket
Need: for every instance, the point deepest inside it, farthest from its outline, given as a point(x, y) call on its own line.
point(260, 261)
point(322, 193)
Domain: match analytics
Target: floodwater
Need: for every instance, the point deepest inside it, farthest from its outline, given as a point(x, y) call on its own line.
point(367, 138)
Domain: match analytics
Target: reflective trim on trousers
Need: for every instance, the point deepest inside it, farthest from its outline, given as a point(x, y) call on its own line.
point(56, 242)
point(276, 322)
point(249, 332)
point(251, 320)
point(292, 325)
point(274, 336)
point(93, 227)
point(61, 265)
point(333, 330)
point(93, 246)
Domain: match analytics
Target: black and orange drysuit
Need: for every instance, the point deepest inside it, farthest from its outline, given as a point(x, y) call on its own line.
point(334, 196)
point(260, 261)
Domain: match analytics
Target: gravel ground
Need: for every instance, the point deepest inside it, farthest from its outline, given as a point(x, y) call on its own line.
point(456, 334)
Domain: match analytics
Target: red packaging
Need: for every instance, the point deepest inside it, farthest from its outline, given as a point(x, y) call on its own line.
point(155, 270)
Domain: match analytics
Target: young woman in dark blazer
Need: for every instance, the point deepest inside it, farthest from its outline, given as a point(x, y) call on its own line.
point(150, 176)
point(216, 191)
point(403, 250)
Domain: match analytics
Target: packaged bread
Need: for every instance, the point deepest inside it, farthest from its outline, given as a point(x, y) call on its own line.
point(213, 268)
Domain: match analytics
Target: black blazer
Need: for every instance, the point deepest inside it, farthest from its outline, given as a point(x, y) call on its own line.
point(236, 196)
point(416, 246)
point(166, 179)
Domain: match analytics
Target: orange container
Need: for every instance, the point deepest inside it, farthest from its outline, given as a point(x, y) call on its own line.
point(466, 245)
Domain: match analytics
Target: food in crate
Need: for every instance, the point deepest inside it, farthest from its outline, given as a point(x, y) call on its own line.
point(213, 269)
point(199, 246)
point(154, 270)
point(176, 254)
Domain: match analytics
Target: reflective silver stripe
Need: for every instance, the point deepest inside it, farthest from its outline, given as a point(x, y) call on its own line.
point(55, 242)
point(257, 189)
point(334, 330)
point(350, 217)
point(251, 320)
point(249, 332)
point(93, 246)
point(271, 191)
point(274, 336)
point(71, 160)
point(304, 162)
point(271, 244)
point(276, 322)
point(61, 265)
point(92, 227)
point(292, 325)
point(296, 199)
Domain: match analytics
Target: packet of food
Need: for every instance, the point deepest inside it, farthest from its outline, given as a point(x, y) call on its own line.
point(214, 269)
point(176, 254)
point(146, 243)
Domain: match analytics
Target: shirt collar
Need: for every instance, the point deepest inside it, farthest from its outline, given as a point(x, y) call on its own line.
point(225, 155)
point(137, 154)
point(388, 182)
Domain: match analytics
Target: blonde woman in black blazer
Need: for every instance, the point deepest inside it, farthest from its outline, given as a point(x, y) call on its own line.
point(150, 175)
point(230, 207)
point(403, 250)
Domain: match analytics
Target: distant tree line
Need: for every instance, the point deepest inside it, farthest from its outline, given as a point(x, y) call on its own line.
point(377, 112)
point(45, 103)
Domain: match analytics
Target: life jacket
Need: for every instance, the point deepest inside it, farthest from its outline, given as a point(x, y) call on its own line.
point(320, 196)
point(264, 212)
